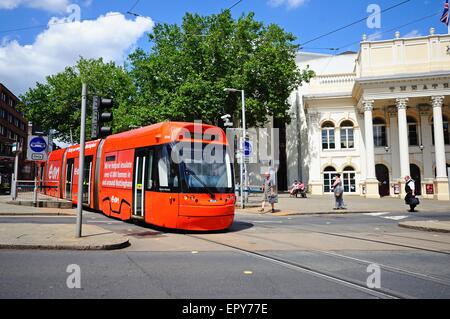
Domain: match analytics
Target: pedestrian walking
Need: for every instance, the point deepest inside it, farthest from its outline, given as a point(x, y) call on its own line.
point(410, 190)
point(338, 191)
point(268, 193)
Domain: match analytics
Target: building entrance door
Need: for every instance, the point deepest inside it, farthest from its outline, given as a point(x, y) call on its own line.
point(382, 173)
point(415, 175)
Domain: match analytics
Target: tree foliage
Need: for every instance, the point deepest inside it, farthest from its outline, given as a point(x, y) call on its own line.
point(184, 75)
point(56, 104)
point(181, 78)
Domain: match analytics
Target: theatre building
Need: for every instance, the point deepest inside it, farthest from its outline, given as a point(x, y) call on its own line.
point(374, 116)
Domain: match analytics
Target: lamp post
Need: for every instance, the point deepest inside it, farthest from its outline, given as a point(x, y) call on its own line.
point(243, 142)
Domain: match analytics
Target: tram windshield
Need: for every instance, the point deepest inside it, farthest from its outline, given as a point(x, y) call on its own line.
point(204, 167)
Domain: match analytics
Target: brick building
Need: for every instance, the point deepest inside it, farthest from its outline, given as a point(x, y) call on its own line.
point(13, 128)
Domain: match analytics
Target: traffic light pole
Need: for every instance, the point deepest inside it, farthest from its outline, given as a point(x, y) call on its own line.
point(81, 160)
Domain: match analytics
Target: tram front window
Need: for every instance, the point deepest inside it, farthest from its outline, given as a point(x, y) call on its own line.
point(205, 168)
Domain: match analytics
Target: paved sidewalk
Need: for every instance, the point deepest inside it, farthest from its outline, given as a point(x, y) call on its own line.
point(58, 236)
point(429, 225)
point(354, 204)
point(13, 210)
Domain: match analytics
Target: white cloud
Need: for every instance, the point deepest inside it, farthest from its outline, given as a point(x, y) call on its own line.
point(412, 34)
point(47, 5)
point(290, 4)
point(61, 45)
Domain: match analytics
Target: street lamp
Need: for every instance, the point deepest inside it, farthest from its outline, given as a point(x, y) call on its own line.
point(243, 140)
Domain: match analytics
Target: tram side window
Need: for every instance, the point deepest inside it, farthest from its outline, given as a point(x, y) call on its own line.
point(150, 171)
point(167, 170)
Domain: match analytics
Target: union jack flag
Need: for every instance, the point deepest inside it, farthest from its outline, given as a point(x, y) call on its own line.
point(444, 17)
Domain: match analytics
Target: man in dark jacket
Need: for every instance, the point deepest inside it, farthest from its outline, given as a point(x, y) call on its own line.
point(410, 190)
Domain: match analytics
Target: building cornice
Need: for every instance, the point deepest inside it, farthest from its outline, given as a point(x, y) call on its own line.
point(403, 77)
point(326, 96)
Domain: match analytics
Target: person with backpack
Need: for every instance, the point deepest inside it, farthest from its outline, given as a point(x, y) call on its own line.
point(410, 190)
point(338, 190)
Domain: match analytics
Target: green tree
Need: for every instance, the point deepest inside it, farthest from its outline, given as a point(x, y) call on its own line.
point(56, 104)
point(182, 78)
point(184, 75)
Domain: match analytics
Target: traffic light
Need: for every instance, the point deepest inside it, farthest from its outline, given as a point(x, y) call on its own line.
point(101, 114)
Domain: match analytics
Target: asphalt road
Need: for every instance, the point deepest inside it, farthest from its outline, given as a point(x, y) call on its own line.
point(262, 256)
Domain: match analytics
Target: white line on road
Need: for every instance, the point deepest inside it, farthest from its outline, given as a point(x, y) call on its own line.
point(267, 221)
point(395, 217)
point(376, 214)
point(103, 221)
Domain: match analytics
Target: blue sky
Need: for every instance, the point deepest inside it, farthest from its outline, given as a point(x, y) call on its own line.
point(304, 18)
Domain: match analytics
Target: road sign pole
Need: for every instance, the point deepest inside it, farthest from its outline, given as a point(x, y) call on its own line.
point(245, 175)
point(81, 160)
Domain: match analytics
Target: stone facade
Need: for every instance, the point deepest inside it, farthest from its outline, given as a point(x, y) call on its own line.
point(370, 116)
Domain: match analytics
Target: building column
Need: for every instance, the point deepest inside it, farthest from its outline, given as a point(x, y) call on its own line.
point(394, 148)
point(402, 104)
point(427, 148)
point(441, 182)
point(372, 190)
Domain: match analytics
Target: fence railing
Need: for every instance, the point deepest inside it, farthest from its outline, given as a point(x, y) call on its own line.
point(252, 196)
point(31, 190)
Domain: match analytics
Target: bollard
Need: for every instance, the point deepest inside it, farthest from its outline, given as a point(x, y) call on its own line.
point(35, 192)
point(13, 188)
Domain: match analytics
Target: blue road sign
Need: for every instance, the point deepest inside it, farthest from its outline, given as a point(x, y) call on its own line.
point(38, 144)
point(248, 148)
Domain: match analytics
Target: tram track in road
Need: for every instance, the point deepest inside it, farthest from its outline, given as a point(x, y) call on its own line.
point(379, 241)
point(348, 282)
point(366, 239)
point(439, 280)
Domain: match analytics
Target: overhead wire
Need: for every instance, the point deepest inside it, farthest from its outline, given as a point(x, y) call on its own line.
point(353, 23)
point(394, 29)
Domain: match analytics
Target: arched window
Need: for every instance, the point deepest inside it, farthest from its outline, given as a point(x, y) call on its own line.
point(328, 136)
point(379, 132)
point(328, 178)
point(412, 131)
point(446, 130)
point(348, 179)
point(347, 136)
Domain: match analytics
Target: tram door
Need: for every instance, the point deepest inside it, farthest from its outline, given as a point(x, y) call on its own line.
point(87, 180)
point(69, 178)
point(140, 164)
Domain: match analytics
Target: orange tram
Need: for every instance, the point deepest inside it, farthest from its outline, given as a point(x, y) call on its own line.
point(172, 174)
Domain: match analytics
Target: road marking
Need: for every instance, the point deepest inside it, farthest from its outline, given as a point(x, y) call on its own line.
point(248, 272)
point(376, 214)
point(395, 217)
point(103, 221)
point(267, 221)
point(195, 252)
